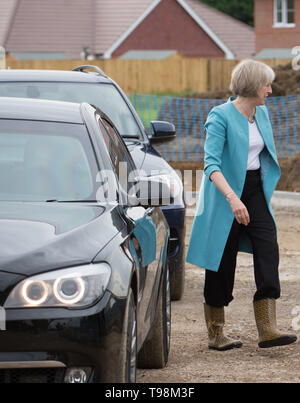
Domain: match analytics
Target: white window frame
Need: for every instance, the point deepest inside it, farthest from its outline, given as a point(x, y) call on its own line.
point(284, 23)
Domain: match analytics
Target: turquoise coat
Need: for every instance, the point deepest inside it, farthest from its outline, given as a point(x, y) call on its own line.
point(226, 150)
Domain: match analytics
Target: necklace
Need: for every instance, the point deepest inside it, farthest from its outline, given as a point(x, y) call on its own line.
point(250, 118)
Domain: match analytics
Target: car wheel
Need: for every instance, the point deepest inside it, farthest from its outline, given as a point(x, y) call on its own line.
point(131, 344)
point(128, 354)
point(155, 351)
point(177, 282)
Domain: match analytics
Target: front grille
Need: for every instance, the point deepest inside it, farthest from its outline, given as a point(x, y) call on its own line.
point(32, 375)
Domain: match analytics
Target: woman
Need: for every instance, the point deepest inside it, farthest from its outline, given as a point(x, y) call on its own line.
point(234, 211)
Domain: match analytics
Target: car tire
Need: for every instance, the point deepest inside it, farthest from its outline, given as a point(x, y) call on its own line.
point(178, 280)
point(131, 345)
point(129, 349)
point(155, 351)
point(177, 283)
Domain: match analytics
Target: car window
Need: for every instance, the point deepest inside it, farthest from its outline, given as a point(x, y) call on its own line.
point(104, 96)
point(122, 149)
point(42, 161)
point(118, 152)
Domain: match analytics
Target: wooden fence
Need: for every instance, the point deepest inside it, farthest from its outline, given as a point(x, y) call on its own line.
point(146, 76)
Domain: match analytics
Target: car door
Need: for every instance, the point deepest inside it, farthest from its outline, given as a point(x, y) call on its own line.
point(147, 241)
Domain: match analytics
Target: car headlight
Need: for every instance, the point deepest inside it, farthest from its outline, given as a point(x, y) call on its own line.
point(75, 287)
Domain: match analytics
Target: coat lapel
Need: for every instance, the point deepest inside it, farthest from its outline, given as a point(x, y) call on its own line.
point(265, 130)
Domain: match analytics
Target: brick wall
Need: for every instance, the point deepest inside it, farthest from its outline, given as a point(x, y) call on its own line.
point(169, 27)
point(269, 37)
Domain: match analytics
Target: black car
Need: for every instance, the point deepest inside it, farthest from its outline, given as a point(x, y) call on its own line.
point(84, 277)
point(96, 88)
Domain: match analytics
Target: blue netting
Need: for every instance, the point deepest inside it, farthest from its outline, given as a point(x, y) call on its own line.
point(189, 116)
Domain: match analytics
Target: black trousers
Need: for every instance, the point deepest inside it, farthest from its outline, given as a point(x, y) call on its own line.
point(261, 230)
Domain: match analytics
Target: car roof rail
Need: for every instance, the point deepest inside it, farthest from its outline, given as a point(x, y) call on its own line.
point(89, 67)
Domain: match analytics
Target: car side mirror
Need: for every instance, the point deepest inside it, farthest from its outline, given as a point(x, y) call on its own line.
point(163, 132)
point(151, 191)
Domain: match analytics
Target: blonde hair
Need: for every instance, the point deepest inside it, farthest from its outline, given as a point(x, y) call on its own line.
point(249, 76)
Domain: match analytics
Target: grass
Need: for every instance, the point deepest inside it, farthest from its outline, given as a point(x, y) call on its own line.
point(174, 94)
point(148, 106)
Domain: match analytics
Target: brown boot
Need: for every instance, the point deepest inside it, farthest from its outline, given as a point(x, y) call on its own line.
point(265, 316)
point(215, 320)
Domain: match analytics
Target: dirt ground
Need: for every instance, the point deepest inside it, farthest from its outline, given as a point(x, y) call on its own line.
point(191, 361)
point(290, 174)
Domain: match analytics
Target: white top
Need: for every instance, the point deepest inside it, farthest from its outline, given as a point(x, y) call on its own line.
point(256, 145)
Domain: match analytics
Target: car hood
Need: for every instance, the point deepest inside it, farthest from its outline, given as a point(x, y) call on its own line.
point(147, 159)
point(137, 151)
point(39, 237)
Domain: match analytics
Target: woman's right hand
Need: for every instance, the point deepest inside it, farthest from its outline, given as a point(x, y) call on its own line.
point(239, 210)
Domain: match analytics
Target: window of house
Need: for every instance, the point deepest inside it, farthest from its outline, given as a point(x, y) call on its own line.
point(284, 13)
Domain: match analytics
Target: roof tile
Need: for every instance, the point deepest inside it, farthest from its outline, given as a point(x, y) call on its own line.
point(236, 35)
point(52, 26)
point(7, 8)
point(69, 25)
point(114, 18)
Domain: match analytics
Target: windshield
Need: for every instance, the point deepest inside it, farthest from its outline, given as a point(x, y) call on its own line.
point(104, 96)
point(42, 161)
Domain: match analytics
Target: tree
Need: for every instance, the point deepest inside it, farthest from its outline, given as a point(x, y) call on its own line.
point(239, 9)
